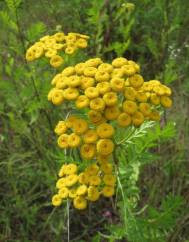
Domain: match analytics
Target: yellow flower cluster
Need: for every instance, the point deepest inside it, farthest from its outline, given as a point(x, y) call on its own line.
point(91, 141)
point(95, 181)
point(49, 46)
point(108, 92)
point(113, 91)
point(112, 95)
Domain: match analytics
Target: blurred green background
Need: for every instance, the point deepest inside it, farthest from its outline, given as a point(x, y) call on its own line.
point(153, 33)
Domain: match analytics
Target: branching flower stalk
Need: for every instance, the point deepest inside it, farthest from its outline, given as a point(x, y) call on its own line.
point(102, 97)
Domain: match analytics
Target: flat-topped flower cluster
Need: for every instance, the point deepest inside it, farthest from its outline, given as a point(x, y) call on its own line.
point(51, 46)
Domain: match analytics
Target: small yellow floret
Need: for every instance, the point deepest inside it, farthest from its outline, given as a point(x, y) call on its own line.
point(56, 200)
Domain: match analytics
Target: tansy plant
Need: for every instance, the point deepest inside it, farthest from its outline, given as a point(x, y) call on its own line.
point(111, 95)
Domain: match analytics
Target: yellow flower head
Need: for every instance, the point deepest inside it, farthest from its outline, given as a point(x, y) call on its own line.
point(71, 37)
point(81, 43)
point(71, 93)
point(117, 72)
point(167, 90)
point(158, 90)
point(94, 62)
point(119, 62)
point(57, 96)
point(63, 141)
point(58, 46)
point(136, 81)
point(63, 192)
point(90, 136)
point(128, 69)
point(56, 79)
point(92, 170)
point(166, 102)
point(91, 92)
point(81, 190)
point(83, 178)
point(61, 171)
point(30, 55)
point(87, 82)
point(106, 167)
point(48, 43)
point(68, 71)
point(93, 194)
point(147, 86)
point(94, 180)
point(102, 76)
point(111, 113)
point(105, 146)
point(108, 191)
point(105, 67)
point(117, 84)
point(56, 200)
point(141, 97)
point(135, 65)
point(70, 121)
point(90, 71)
point(56, 61)
point(73, 81)
point(109, 180)
point(103, 87)
point(60, 128)
point(110, 98)
point(59, 37)
point(71, 180)
point(61, 183)
point(94, 116)
point(61, 83)
point(70, 169)
point(50, 53)
point(70, 50)
point(80, 203)
point(87, 151)
point(124, 120)
point(80, 126)
point(97, 104)
point(154, 99)
point(137, 119)
point(39, 50)
point(145, 108)
point(34, 52)
point(130, 93)
point(129, 107)
point(72, 193)
point(79, 68)
point(105, 130)
point(74, 140)
point(82, 102)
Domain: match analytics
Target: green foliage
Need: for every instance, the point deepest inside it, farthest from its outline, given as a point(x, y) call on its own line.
point(13, 4)
point(35, 31)
point(151, 202)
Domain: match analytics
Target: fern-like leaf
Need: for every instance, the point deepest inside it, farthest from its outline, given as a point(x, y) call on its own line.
point(35, 31)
